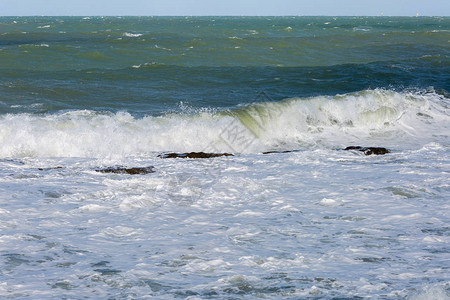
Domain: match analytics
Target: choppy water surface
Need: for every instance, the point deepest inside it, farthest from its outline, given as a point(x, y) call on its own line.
point(82, 94)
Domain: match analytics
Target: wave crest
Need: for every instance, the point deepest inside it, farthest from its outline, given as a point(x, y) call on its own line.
point(376, 117)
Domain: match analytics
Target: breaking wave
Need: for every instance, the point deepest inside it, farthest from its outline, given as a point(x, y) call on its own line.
point(376, 117)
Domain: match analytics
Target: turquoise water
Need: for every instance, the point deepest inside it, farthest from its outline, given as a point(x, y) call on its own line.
point(315, 222)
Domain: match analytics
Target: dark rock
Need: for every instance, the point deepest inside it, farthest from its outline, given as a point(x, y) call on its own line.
point(369, 150)
point(284, 151)
point(193, 155)
point(131, 171)
point(48, 169)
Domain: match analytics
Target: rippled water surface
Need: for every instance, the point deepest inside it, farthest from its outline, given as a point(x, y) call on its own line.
point(290, 215)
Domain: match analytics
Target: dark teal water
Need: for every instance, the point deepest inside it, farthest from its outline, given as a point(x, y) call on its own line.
point(149, 65)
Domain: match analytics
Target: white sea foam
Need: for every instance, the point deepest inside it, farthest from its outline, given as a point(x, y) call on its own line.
point(375, 117)
point(313, 223)
point(128, 34)
point(434, 292)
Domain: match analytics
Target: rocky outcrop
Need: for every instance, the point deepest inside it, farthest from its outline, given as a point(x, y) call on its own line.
point(368, 150)
point(193, 155)
point(130, 171)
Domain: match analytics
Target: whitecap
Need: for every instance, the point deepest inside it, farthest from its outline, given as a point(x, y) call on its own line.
point(128, 34)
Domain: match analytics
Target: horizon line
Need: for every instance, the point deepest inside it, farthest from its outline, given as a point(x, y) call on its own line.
point(217, 16)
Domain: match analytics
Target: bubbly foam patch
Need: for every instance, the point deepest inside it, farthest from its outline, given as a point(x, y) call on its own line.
point(435, 292)
point(372, 117)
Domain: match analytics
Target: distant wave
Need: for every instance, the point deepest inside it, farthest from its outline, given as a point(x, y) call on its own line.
point(370, 117)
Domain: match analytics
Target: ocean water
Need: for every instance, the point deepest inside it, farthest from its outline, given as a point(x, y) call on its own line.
point(307, 220)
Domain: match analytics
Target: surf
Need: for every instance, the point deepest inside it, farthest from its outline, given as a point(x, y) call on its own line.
point(376, 117)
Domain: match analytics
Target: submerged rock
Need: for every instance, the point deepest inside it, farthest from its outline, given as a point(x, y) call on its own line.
point(369, 150)
point(131, 171)
point(193, 155)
